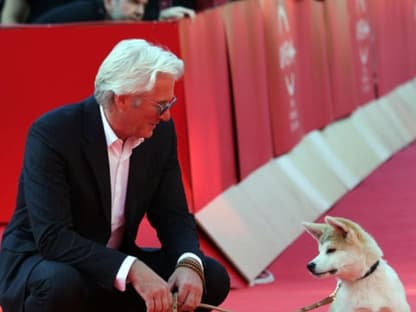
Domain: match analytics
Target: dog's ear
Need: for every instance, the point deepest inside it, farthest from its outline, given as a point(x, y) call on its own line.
point(315, 229)
point(337, 224)
point(341, 225)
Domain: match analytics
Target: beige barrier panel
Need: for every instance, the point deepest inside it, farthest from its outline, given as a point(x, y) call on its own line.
point(300, 181)
point(370, 133)
point(407, 93)
point(280, 202)
point(316, 170)
point(385, 128)
point(387, 107)
point(404, 112)
point(240, 232)
point(316, 139)
point(350, 147)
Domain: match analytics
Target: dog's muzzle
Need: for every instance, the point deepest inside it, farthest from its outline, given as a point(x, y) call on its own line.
point(312, 268)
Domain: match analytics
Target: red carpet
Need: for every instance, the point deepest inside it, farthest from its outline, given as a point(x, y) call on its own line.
point(384, 204)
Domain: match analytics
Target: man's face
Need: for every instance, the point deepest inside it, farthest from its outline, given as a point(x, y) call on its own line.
point(132, 10)
point(131, 119)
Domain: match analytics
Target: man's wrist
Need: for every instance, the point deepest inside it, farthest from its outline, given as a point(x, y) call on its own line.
point(194, 265)
point(193, 256)
point(121, 278)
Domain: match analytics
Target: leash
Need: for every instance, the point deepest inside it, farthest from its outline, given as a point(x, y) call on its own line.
point(325, 301)
point(331, 297)
point(313, 306)
point(201, 305)
point(320, 303)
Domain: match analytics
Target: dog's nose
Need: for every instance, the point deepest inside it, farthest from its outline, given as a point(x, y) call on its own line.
point(311, 266)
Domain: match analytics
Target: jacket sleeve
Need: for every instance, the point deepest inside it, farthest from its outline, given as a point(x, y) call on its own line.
point(169, 213)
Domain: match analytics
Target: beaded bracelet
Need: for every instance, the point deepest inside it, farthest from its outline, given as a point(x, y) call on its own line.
point(194, 265)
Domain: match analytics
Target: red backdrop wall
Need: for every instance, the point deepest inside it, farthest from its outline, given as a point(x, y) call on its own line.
point(259, 75)
point(44, 67)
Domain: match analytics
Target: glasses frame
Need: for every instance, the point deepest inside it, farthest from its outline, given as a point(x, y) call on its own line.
point(164, 107)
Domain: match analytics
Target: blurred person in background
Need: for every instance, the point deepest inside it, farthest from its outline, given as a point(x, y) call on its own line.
point(96, 10)
point(23, 11)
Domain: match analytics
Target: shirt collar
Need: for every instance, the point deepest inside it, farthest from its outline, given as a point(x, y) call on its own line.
point(110, 136)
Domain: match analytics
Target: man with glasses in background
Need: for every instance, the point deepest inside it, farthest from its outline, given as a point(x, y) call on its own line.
point(91, 172)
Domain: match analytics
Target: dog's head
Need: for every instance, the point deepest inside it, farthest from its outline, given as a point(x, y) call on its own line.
point(345, 249)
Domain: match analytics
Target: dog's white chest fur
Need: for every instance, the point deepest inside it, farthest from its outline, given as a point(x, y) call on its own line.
point(382, 291)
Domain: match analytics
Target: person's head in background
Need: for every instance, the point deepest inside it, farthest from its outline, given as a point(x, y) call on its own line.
point(125, 9)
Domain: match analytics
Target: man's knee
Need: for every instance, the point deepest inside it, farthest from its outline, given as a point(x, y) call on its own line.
point(217, 282)
point(67, 284)
point(53, 285)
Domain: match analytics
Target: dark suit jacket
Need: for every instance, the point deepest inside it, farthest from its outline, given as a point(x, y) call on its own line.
point(63, 209)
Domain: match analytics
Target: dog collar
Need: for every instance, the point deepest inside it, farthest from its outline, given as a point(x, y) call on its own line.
point(371, 270)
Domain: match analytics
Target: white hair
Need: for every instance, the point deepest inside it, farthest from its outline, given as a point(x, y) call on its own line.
point(132, 67)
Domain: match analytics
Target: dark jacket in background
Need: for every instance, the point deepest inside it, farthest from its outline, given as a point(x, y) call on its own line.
point(78, 11)
point(153, 7)
point(40, 7)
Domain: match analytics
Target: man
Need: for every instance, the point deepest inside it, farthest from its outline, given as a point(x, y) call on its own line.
point(116, 10)
point(50, 12)
point(91, 171)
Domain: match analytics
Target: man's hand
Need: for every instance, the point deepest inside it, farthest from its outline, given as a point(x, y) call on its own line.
point(189, 286)
point(175, 13)
point(151, 287)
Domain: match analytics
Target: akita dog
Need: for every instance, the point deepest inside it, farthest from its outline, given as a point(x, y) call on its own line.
point(366, 282)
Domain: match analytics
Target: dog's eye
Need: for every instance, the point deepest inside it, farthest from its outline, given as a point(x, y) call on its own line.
point(330, 250)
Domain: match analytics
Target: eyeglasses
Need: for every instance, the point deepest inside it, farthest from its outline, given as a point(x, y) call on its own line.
point(163, 107)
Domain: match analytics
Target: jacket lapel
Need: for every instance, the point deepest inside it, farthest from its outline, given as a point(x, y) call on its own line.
point(136, 187)
point(97, 155)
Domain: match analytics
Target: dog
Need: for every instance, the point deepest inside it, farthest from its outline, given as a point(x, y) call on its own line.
point(366, 282)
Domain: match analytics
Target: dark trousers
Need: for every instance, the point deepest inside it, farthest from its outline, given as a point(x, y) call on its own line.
point(54, 286)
